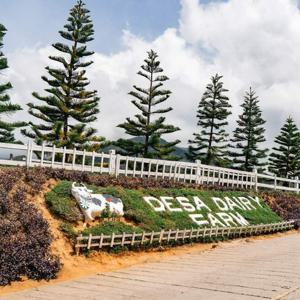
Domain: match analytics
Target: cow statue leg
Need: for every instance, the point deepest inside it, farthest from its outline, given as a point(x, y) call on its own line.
point(87, 217)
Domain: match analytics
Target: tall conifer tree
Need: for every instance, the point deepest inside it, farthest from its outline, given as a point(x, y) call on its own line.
point(210, 144)
point(285, 158)
point(6, 107)
point(146, 129)
point(69, 106)
point(248, 134)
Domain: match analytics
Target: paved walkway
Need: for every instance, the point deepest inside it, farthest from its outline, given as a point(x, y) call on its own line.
point(263, 269)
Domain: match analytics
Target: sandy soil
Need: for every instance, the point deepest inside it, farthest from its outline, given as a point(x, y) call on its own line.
point(78, 266)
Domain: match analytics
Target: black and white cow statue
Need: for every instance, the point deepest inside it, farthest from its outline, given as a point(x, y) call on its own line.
point(92, 205)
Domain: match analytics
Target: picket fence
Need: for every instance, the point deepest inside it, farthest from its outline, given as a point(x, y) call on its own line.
point(31, 155)
point(169, 236)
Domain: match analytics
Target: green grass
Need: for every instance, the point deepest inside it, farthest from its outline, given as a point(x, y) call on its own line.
point(108, 227)
point(142, 215)
point(62, 204)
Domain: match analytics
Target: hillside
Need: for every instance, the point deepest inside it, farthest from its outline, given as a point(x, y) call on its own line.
point(179, 208)
point(40, 219)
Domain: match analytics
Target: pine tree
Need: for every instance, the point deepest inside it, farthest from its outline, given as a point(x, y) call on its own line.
point(210, 145)
point(248, 134)
point(6, 107)
point(147, 130)
point(69, 106)
point(285, 158)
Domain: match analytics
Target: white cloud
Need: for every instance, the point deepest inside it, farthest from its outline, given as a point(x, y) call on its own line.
point(250, 42)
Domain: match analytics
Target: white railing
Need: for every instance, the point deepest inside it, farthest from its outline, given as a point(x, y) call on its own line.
point(114, 164)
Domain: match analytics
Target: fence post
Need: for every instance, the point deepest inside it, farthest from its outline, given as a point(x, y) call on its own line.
point(117, 165)
point(74, 159)
point(64, 157)
point(275, 182)
point(112, 240)
point(143, 238)
point(176, 235)
point(101, 241)
point(93, 162)
point(53, 156)
point(112, 162)
point(133, 239)
point(89, 241)
point(161, 236)
point(297, 184)
point(83, 160)
point(198, 172)
point(255, 179)
point(29, 154)
point(42, 154)
point(77, 249)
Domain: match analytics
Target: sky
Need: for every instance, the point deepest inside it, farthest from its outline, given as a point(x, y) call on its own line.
point(245, 41)
point(40, 20)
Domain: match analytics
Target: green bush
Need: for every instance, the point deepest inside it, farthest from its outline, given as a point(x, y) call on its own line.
point(62, 204)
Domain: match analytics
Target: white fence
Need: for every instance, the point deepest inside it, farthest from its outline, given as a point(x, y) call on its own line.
point(169, 236)
point(114, 164)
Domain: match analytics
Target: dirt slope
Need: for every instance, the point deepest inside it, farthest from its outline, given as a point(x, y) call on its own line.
point(78, 266)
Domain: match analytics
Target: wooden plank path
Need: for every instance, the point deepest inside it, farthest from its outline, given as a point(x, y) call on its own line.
point(261, 269)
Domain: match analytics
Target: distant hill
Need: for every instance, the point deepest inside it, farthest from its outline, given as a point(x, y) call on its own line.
point(179, 151)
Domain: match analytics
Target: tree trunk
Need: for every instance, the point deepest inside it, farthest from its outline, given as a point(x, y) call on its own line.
point(146, 149)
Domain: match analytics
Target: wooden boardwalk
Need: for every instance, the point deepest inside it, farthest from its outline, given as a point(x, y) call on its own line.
point(262, 269)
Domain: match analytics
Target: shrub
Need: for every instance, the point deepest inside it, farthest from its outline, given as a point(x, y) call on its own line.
point(286, 205)
point(24, 236)
point(37, 176)
point(62, 205)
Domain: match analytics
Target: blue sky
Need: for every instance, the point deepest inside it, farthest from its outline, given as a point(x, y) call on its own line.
point(32, 22)
point(35, 21)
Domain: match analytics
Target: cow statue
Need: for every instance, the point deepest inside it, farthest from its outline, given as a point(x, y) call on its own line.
point(92, 205)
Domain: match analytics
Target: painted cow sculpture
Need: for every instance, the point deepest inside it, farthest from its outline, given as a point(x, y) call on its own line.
point(92, 205)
